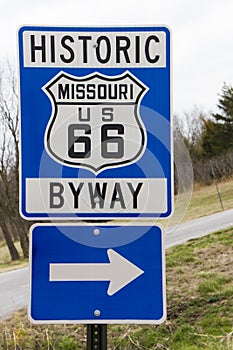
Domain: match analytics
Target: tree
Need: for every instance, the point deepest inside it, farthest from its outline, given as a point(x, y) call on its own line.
point(217, 135)
point(212, 138)
point(225, 105)
point(189, 126)
point(8, 237)
point(9, 162)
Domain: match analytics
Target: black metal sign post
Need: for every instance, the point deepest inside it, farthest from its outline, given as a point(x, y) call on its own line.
point(96, 337)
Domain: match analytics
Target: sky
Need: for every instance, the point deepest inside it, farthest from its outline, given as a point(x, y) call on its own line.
point(202, 37)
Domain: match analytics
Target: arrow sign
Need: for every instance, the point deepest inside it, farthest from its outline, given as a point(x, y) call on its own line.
point(119, 271)
point(85, 272)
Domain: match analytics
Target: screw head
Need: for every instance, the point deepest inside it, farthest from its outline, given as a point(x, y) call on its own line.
point(96, 232)
point(97, 313)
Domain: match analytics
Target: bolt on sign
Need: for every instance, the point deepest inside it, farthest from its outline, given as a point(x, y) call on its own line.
point(95, 122)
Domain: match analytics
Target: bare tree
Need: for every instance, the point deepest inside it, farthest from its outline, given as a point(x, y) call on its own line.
point(8, 237)
point(9, 159)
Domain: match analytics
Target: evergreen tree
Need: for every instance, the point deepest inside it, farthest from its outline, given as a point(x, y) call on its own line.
point(217, 135)
point(225, 105)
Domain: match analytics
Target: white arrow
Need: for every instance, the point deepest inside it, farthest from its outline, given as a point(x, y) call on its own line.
point(119, 271)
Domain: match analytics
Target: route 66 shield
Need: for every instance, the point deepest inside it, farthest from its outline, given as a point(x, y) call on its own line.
point(95, 121)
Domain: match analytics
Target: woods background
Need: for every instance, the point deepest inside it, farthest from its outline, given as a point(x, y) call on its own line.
point(208, 139)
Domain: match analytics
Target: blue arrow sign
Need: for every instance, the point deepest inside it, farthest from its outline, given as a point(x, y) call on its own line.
point(95, 122)
point(97, 282)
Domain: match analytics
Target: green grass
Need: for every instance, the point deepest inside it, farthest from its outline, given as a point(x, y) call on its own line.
point(199, 295)
point(199, 307)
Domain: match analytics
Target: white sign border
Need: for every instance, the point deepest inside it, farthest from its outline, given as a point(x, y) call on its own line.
point(96, 321)
point(147, 217)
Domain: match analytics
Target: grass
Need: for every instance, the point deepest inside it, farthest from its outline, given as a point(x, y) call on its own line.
point(205, 200)
point(199, 294)
point(5, 260)
point(199, 306)
point(188, 206)
point(201, 202)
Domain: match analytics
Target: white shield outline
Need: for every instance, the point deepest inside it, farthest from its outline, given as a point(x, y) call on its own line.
point(136, 105)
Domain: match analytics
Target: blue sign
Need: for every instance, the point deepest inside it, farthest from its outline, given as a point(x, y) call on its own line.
point(80, 274)
point(95, 122)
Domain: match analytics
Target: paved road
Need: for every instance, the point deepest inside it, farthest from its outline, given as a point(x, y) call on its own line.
point(14, 291)
point(14, 286)
point(198, 228)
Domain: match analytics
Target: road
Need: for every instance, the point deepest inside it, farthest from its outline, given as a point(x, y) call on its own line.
point(14, 291)
point(198, 228)
point(14, 285)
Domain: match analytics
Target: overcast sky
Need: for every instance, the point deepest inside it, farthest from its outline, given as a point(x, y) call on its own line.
point(202, 36)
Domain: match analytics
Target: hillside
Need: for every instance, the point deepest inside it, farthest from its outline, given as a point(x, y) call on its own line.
point(199, 305)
